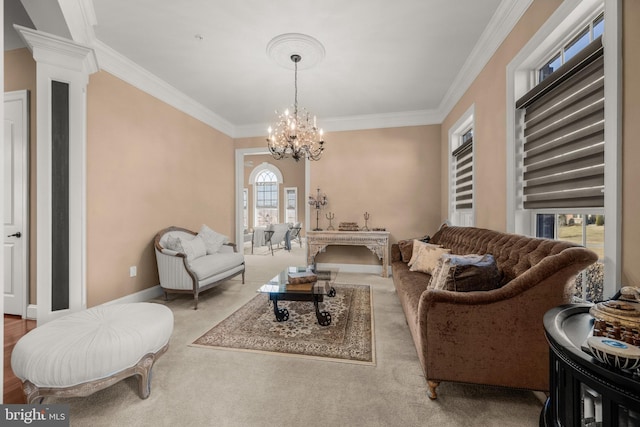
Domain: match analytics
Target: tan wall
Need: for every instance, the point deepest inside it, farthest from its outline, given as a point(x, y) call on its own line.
point(391, 173)
point(630, 145)
point(292, 176)
point(149, 166)
point(488, 93)
point(20, 74)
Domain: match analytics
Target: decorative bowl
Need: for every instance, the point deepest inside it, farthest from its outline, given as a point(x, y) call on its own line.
point(614, 352)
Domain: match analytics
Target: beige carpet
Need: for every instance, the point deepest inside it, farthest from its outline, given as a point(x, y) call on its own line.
point(253, 327)
point(196, 387)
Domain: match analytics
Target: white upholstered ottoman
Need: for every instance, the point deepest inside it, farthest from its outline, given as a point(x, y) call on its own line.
point(83, 352)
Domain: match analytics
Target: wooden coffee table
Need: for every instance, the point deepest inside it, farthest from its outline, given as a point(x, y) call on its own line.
point(278, 290)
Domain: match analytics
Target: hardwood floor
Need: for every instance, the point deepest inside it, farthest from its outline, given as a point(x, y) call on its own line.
point(14, 328)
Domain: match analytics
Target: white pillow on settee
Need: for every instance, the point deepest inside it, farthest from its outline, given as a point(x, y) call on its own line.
point(213, 241)
point(194, 248)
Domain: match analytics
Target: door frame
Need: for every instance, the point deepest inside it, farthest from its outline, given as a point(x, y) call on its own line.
point(239, 187)
point(23, 97)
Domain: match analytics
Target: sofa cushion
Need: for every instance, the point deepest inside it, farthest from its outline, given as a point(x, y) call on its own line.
point(427, 258)
point(209, 265)
point(409, 285)
point(213, 240)
point(193, 248)
point(169, 239)
point(415, 250)
point(465, 273)
point(173, 243)
point(406, 247)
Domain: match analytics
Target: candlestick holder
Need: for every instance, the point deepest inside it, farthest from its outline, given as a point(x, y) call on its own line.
point(366, 218)
point(330, 216)
point(318, 203)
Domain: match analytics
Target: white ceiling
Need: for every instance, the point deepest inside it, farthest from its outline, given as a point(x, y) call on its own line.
point(383, 58)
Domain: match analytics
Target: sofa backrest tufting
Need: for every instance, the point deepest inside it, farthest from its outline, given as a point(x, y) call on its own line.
point(514, 253)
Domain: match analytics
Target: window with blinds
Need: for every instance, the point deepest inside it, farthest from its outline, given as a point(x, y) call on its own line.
point(463, 173)
point(563, 160)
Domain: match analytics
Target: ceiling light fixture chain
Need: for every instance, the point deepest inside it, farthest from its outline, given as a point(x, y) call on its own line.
point(295, 59)
point(295, 136)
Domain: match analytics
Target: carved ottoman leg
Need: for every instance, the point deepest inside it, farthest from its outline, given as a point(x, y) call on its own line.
point(432, 389)
point(32, 393)
point(143, 371)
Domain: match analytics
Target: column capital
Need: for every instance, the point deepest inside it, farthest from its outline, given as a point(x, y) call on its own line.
point(58, 51)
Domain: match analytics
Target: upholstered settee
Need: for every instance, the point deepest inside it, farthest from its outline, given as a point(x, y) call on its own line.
point(190, 262)
point(493, 337)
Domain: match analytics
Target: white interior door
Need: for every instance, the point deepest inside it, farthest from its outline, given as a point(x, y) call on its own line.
point(16, 149)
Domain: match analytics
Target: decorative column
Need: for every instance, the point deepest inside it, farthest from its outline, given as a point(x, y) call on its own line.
point(62, 73)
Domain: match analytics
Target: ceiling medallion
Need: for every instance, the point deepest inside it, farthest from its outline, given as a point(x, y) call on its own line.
point(281, 47)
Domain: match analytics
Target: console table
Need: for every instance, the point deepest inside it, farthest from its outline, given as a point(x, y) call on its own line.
point(584, 391)
point(376, 241)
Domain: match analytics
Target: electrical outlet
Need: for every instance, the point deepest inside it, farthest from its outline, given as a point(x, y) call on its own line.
point(133, 271)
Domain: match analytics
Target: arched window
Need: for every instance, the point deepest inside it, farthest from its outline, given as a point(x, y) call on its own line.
point(266, 179)
point(266, 194)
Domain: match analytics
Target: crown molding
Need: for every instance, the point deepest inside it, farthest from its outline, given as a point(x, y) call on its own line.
point(132, 73)
point(81, 19)
point(502, 22)
point(379, 121)
point(347, 123)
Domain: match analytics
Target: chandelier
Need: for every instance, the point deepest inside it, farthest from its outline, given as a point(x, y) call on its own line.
point(295, 135)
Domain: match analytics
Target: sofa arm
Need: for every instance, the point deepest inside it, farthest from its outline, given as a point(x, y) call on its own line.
point(173, 272)
point(395, 253)
point(229, 247)
point(501, 330)
point(170, 252)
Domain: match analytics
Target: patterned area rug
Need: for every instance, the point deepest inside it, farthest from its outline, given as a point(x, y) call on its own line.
point(349, 337)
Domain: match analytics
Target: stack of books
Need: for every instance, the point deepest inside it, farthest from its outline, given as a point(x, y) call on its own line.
point(348, 226)
point(303, 281)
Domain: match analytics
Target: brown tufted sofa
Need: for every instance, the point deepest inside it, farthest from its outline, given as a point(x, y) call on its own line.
point(490, 337)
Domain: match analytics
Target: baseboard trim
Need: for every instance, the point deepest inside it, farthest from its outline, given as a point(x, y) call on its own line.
point(142, 296)
point(32, 311)
point(352, 268)
point(156, 291)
